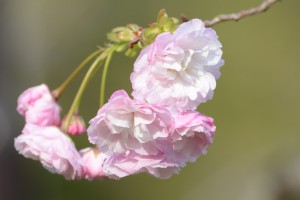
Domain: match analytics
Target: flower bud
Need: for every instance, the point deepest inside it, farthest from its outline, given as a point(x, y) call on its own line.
point(162, 24)
point(167, 24)
point(124, 33)
point(76, 126)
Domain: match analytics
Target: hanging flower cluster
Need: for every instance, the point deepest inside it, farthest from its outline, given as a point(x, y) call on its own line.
point(157, 132)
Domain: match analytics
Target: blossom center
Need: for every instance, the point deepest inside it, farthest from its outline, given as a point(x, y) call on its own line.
point(187, 57)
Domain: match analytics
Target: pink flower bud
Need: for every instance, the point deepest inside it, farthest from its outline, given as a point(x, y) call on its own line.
point(92, 162)
point(76, 126)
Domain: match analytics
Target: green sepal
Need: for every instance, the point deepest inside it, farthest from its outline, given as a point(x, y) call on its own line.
point(122, 47)
point(132, 52)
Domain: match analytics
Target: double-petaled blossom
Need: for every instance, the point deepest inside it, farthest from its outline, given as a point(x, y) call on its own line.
point(193, 133)
point(179, 70)
point(124, 125)
point(140, 137)
point(38, 106)
point(55, 150)
point(92, 164)
point(133, 134)
point(121, 165)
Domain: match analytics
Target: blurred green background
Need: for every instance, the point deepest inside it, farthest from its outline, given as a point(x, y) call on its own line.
point(256, 151)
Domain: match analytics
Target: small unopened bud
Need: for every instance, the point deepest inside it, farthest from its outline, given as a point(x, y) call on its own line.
point(76, 126)
point(124, 33)
point(162, 24)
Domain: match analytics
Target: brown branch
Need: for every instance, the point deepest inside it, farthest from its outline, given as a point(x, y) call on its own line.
point(239, 15)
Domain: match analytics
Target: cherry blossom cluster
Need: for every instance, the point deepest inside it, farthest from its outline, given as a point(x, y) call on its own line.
point(157, 132)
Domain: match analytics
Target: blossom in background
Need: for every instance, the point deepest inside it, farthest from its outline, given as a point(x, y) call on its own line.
point(92, 164)
point(124, 125)
point(179, 70)
point(29, 97)
point(38, 106)
point(55, 150)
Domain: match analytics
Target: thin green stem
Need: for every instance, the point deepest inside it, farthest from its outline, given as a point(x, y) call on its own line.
point(104, 75)
point(75, 105)
point(58, 91)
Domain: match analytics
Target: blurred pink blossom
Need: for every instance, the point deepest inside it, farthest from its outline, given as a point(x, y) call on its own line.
point(179, 70)
point(92, 163)
point(38, 106)
point(29, 97)
point(55, 150)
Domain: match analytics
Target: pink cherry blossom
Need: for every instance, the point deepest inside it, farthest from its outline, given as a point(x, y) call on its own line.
point(139, 137)
point(45, 112)
point(122, 165)
point(92, 163)
point(180, 69)
point(29, 97)
point(56, 151)
point(124, 125)
point(38, 106)
point(193, 133)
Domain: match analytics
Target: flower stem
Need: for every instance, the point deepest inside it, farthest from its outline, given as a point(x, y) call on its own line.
point(74, 107)
point(58, 91)
point(104, 75)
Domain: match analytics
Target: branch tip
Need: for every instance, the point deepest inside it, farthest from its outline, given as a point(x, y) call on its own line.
point(263, 7)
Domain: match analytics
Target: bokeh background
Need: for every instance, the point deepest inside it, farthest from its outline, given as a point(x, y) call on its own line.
point(256, 151)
